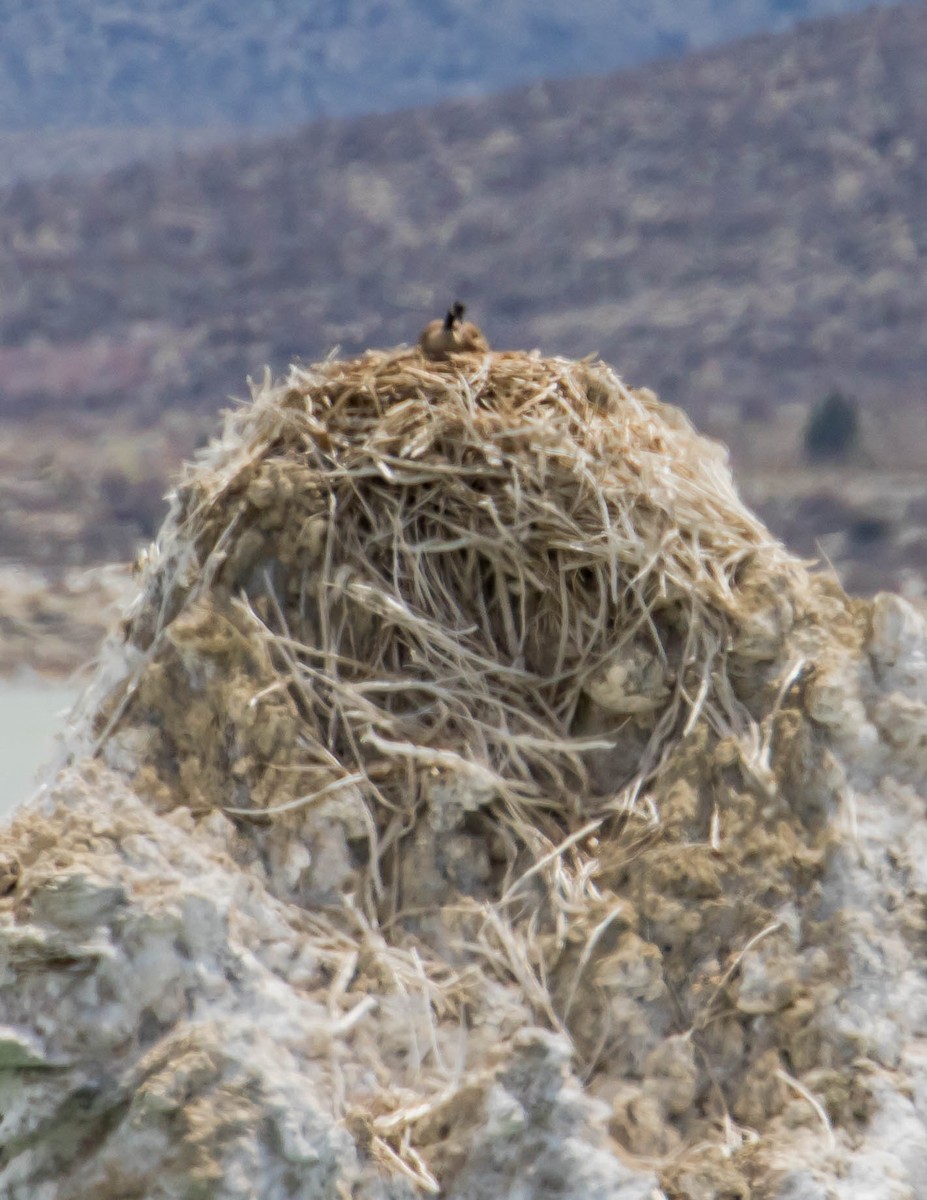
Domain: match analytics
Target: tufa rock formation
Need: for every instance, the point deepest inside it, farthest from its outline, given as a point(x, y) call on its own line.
point(475, 801)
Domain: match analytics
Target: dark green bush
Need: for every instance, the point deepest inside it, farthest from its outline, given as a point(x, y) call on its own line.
point(832, 430)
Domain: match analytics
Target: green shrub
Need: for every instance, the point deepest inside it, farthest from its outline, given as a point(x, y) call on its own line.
point(832, 430)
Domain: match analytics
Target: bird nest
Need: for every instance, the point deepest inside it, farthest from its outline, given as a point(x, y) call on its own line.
point(506, 579)
point(497, 640)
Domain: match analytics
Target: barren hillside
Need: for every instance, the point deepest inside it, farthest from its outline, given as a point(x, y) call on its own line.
point(200, 62)
point(751, 222)
point(744, 229)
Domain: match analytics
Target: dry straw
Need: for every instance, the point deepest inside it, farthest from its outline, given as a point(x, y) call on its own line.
point(474, 580)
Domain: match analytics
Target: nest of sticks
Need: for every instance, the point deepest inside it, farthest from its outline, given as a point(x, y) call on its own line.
point(499, 601)
point(507, 579)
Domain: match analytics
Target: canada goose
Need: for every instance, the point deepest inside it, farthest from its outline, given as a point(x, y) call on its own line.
point(453, 335)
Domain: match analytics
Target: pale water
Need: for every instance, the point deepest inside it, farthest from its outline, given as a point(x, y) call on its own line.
point(31, 715)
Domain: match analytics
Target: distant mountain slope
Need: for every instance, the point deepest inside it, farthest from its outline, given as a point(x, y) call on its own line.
point(749, 224)
point(74, 63)
point(39, 154)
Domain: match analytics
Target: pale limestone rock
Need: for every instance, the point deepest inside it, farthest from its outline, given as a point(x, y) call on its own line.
point(459, 982)
point(898, 646)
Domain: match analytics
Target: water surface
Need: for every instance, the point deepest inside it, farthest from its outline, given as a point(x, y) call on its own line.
point(31, 714)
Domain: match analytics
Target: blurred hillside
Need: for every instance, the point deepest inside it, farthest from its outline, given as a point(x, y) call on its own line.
point(742, 230)
point(750, 223)
point(67, 64)
point(27, 154)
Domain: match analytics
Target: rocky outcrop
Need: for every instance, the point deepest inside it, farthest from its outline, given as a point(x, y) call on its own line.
point(475, 800)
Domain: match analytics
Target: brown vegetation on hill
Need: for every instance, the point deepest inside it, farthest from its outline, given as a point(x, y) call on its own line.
point(745, 229)
point(754, 218)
